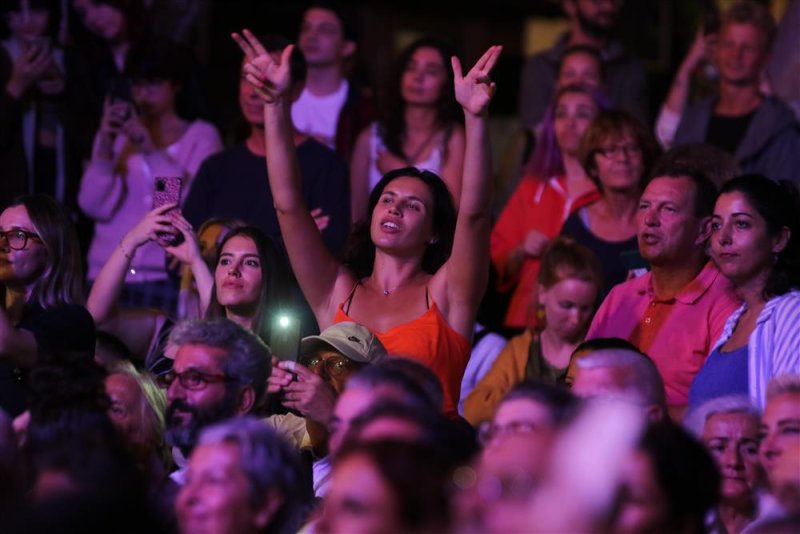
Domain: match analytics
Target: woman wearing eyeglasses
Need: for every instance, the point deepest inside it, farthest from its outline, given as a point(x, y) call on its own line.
point(616, 151)
point(42, 282)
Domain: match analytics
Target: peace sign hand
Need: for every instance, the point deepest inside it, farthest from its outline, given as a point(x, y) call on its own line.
point(475, 90)
point(269, 77)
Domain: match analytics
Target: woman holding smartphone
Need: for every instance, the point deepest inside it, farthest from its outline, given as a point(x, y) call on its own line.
point(419, 275)
point(141, 140)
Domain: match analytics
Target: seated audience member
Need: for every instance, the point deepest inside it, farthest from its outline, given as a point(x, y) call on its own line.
point(415, 275)
point(569, 280)
point(234, 183)
point(311, 385)
point(420, 126)
point(675, 312)
point(390, 419)
point(247, 285)
point(553, 186)
point(242, 477)
point(622, 374)
point(729, 428)
point(331, 108)
point(670, 484)
point(780, 448)
point(710, 161)
point(42, 278)
point(220, 372)
point(136, 410)
point(616, 151)
point(759, 130)
point(591, 25)
point(530, 407)
point(756, 245)
point(394, 486)
point(593, 345)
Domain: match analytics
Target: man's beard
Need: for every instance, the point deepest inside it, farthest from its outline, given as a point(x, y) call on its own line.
point(599, 31)
point(184, 437)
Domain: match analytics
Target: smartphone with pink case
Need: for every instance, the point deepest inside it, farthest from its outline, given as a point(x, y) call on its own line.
point(167, 190)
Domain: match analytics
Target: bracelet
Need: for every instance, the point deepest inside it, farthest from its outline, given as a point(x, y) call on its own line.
point(125, 252)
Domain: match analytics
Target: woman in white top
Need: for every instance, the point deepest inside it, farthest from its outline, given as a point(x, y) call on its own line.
point(420, 125)
point(142, 138)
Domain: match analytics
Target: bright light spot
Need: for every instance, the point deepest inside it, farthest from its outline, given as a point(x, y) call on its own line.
point(283, 321)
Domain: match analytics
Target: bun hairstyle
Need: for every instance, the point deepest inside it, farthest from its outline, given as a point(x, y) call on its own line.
point(778, 203)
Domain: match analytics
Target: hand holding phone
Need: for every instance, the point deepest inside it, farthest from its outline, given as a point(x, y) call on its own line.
point(168, 191)
point(285, 337)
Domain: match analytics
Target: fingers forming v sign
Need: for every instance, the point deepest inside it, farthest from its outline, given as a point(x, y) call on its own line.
point(474, 90)
point(270, 77)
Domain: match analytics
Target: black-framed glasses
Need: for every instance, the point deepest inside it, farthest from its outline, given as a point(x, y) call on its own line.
point(334, 366)
point(191, 379)
point(631, 149)
point(18, 239)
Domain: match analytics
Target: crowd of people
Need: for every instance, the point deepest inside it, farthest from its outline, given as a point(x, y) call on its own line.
point(325, 327)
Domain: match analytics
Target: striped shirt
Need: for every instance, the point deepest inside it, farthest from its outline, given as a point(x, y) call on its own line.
point(774, 344)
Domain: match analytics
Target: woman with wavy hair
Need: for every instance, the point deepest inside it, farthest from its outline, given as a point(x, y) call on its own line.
point(42, 283)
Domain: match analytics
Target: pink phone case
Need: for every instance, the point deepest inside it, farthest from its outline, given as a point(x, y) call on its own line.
point(167, 191)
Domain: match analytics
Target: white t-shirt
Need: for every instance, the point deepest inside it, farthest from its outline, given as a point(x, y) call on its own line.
point(318, 116)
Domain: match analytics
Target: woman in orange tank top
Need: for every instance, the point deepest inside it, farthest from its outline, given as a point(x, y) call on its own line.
point(418, 277)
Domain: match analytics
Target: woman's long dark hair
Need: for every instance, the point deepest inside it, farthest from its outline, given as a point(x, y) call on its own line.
point(778, 203)
point(274, 281)
point(393, 122)
point(359, 252)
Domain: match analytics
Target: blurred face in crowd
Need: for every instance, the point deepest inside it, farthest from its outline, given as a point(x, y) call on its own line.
point(580, 68)
point(740, 242)
point(595, 17)
point(668, 228)
point(741, 53)
point(238, 276)
point(217, 495)
point(27, 24)
point(103, 20)
point(495, 496)
point(568, 306)
point(208, 239)
point(619, 163)
point(643, 508)
point(322, 38)
point(127, 407)
point(424, 77)
point(733, 439)
point(780, 445)
point(154, 98)
point(402, 220)
point(574, 111)
point(519, 416)
point(23, 256)
point(250, 102)
point(391, 428)
point(359, 500)
point(204, 399)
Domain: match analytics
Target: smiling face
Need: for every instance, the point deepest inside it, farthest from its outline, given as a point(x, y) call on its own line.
point(402, 220)
point(741, 53)
point(21, 268)
point(732, 439)
point(574, 111)
point(668, 229)
point(568, 306)
point(216, 496)
point(238, 276)
point(740, 243)
point(424, 77)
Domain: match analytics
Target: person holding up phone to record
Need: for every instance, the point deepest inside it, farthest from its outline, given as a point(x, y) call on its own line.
point(143, 150)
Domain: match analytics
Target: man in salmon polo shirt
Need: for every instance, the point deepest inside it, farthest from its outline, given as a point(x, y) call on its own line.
point(675, 312)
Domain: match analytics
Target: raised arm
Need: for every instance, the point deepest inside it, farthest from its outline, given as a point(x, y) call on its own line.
point(315, 268)
point(462, 280)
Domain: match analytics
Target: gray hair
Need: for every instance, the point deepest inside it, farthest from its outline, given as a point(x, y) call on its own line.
point(783, 384)
point(249, 359)
point(417, 383)
point(697, 418)
point(642, 385)
point(269, 463)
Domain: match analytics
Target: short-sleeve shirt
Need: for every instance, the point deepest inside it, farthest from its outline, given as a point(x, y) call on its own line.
point(677, 333)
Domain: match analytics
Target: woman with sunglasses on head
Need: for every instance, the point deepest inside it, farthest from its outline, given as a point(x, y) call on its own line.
point(42, 283)
point(405, 283)
point(754, 242)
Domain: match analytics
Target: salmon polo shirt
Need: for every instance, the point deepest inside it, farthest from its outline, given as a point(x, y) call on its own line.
point(677, 333)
